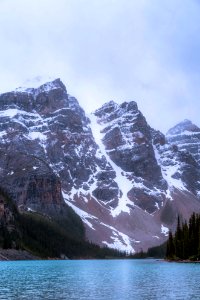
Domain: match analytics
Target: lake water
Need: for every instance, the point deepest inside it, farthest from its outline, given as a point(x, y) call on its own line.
point(99, 279)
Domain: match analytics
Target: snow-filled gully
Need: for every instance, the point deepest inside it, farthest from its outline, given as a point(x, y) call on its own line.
point(123, 183)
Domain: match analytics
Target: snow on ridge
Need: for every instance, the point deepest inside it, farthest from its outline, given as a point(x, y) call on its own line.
point(167, 172)
point(38, 86)
point(164, 230)
point(37, 135)
point(121, 241)
point(115, 122)
point(155, 236)
point(82, 214)
point(2, 134)
point(124, 184)
point(185, 132)
point(12, 112)
point(35, 83)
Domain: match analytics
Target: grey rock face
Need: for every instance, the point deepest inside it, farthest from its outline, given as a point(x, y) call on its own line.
point(128, 140)
point(127, 137)
point(186, 136)
point(121, 176)
point(7, 216)
point(45, 141)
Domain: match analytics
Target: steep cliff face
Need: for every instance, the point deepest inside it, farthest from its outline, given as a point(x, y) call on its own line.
point(7, 215)
point(126, 141)
point(186, 136)
point(44, 137)
point(9, 231)
point(127, 138)
point(123, 178)
point(47, 150)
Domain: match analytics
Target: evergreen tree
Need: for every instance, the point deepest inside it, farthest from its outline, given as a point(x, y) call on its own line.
point(170, 246)
point(178, 240)
point(185, 244)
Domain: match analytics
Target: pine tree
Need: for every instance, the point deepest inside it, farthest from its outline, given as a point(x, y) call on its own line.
point(178, 240)
point(185, 244)
point(185, 240)
point(170, 247)
point(192, 226)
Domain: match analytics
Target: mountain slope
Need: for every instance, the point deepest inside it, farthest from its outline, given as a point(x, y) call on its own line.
point(123, 178)
point(29, 235)
point(187, 136)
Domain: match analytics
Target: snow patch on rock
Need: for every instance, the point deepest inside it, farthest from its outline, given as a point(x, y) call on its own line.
point(124, 184)
point(164, 230)
point(169, 166)
point(82, 214)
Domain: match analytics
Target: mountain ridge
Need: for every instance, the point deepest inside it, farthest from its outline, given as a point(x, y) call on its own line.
point(125, 180)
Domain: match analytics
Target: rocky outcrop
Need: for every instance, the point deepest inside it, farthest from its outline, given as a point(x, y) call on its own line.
point(186, 136)
point(127, 138)
point(7, 214)
point(9, 231)
point(123, 178)
point(128, 143)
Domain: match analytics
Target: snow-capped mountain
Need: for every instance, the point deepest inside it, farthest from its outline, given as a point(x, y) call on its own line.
point(122, 177)
point(187, 136)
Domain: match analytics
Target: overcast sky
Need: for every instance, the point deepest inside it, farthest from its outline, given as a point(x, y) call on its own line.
point(142, 50)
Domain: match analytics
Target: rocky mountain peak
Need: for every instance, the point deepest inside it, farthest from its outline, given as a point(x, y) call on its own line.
point(129, 106)
point(183, 127)
point(186, 136)
point(127, 138)
point(55, 84)
point(117, 173)
point(31, 87)
point(50, 97)
point(46, 98)
point(158, 137)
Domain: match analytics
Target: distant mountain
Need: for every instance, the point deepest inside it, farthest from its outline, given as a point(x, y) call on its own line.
point(187, 136)
point(127, 181)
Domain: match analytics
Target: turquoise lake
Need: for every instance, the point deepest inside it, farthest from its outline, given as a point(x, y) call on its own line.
point(99, 279)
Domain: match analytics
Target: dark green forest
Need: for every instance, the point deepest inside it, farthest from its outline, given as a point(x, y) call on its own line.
point(154, 252)
point(53, 237)
point(49, 237)
point(185, 243)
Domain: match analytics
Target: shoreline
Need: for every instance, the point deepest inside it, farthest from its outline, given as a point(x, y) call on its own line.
point(186, 261)
point(15, 255)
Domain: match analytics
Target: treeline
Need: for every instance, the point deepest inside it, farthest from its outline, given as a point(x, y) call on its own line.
point(49, 237)
point(155, 252)
point(185, 243)
point(46, 238)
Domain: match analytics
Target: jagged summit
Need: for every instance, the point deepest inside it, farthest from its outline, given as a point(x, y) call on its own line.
point(124, 179)
point(185, 127)
point(41, 87)
point(110, 106)
point(44, 99)
point(36, 82)
point(186, 135)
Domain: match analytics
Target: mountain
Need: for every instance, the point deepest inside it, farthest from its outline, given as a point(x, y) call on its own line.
point(187, 136)
point(124, 179)
point(28, 235)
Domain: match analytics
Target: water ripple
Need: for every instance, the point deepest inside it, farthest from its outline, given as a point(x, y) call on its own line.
point(99, 279)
